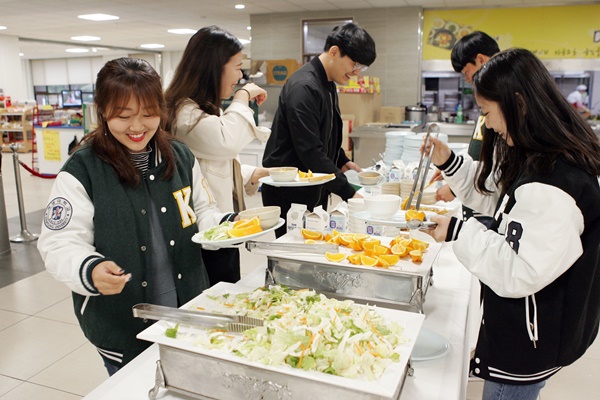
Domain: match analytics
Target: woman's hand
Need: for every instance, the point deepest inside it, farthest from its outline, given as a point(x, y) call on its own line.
point(259, 172)
point(444, 194)
point(440, 232)
point(255, 93)
point(109, 278)
point(351, 165)
point(441, 152)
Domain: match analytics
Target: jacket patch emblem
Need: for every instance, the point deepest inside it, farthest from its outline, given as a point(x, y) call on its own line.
point(183, 196)
point(58, 214)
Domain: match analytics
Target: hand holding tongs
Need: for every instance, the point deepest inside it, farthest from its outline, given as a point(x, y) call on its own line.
point(231, 323)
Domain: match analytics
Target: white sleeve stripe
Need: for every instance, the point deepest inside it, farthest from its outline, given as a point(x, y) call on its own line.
point(454, 166)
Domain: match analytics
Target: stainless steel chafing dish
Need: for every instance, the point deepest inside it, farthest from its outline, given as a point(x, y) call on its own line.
point(215, 374)
point(401, 287)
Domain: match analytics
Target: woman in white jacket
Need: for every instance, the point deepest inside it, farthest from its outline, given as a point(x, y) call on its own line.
point(208, 72)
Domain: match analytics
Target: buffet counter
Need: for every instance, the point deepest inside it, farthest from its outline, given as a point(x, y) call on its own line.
point(450, 309)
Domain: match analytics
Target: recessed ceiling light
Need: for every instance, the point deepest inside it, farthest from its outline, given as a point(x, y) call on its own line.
point(77, 50)
point(249, 28)
point(3, 27)
point(244, 41)
point(182, 31)
point(85, 38)
point(239, 6)
point(98, 17)
point(152, 46)
point(21, 54)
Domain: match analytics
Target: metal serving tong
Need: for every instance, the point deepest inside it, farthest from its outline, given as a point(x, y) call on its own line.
point(421, 176)
point(317, 248)
point(231, 323)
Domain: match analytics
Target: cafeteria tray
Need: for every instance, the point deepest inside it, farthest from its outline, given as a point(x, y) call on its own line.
point(204, 373)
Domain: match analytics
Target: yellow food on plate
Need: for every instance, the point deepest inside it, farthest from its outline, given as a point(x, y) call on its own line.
point(314, 235)
point(244, 223)
point(305, 175)
point(416, 255)
point(245, 231)
point(321, 178)
point(335, 257)
point(414, 214)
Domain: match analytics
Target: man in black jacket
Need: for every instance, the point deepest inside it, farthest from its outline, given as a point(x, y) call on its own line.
point(307, 128)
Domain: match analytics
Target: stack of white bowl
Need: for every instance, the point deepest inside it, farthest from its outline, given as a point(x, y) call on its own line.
point(394, 145)
point(412, 144)
point(356, 225)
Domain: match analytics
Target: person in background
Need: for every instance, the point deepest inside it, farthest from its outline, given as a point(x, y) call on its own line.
point(122, 212)
point(576, 98)
point(468, 55)
point(539, 262)
point(307, 127)
point(208, 72)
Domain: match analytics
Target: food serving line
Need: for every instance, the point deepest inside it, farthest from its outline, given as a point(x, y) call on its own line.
point(450, 309)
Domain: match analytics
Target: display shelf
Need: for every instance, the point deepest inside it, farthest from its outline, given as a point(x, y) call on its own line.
point(16, 127)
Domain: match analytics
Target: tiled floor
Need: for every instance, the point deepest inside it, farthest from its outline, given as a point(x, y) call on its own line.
point(44, 355)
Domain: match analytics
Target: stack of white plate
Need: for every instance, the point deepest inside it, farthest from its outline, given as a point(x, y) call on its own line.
point(356, 225)
point(391, 188)
point(412, 144)
point(428, 195)
point(394, 145)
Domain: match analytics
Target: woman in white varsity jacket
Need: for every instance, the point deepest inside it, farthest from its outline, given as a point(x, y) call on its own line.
point(539, 262)
point(122, 212)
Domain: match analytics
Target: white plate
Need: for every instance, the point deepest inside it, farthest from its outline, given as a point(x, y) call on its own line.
point(429, 346)
point(198, 237)
point(267, 180)
point(398, 220)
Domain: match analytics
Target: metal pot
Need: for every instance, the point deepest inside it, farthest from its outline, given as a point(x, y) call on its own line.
point(416, 114)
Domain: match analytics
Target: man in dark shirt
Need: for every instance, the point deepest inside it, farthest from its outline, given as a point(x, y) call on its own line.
point(307, 127)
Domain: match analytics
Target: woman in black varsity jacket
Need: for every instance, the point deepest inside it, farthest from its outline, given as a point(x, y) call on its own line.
point(539, 262)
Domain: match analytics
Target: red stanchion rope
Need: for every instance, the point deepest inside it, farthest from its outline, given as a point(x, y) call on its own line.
point(35, 173)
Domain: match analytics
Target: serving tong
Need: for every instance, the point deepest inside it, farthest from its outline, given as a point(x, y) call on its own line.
point(421, 176)
point(202, 319)
point(316, 248)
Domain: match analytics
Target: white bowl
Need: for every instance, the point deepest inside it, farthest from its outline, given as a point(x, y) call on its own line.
point(382, 206)
point(283, 174)
point(370, 177)
point(269, 216)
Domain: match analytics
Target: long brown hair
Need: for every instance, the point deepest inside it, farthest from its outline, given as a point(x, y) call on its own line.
point(541, 123)
point(198, 75)
point(117, 82)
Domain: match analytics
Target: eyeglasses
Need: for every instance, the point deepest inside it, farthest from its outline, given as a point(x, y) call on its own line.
point(359, 67)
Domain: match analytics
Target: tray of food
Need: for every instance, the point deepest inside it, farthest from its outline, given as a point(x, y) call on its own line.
point(391, 272)
point(310, 346)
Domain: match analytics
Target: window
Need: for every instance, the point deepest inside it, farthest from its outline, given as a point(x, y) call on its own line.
point(314, 34)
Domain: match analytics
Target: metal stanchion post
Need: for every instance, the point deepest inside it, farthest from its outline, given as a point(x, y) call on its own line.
point(4, 238)
point(25, 235)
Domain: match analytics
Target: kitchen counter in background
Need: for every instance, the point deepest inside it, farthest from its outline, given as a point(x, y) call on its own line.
point(369, 140)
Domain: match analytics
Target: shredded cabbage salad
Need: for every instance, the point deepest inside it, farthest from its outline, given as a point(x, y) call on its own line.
point(307, 330)
point(218, 232)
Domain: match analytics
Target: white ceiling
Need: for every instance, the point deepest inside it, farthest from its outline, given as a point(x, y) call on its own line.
point(147, 21)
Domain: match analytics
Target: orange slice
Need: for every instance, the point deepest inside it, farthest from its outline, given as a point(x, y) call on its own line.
point(419, 244)
point(354, 258)
point(382, 263)
point(361, 237)
point(399, 250)
point(310, 241)
point(379, 250)
point(308, 234)
point(244, 223)
point(346, 239)
point(414, 214)
point(416, 255)
point(370, 243)
point(239, 232)
point(392, 259)
point(328, 237)
point(368, 261)
point(335, 257)
point(355, 246)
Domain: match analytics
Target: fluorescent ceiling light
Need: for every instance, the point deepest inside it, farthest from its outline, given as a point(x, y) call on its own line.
point(3, 27)
point(249, 28)
point(239, 6)
point(152, 46)
point(21, 54)
point(98, 17)
point(85, 38)
point(244, 41)
point(182, 31)
point(77, 50)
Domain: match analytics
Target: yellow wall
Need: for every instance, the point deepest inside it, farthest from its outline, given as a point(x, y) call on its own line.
point(549, 32)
